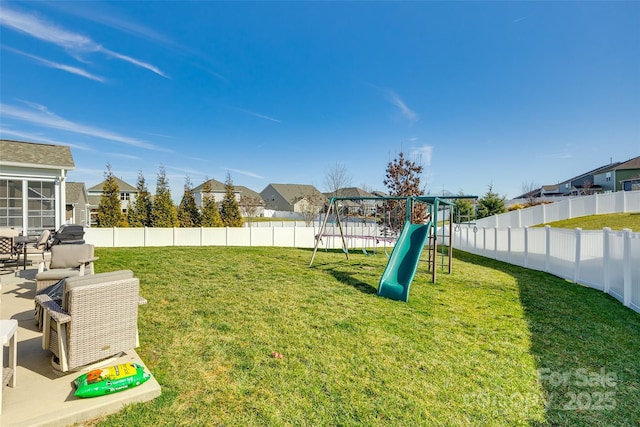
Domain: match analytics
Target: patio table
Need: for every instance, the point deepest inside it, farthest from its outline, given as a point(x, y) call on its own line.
point(24, 240)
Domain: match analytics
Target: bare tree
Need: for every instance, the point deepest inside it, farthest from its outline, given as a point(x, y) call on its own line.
point(310, 206)
point(587, 188)
point(250, 206)
point(337, 177)
point(531, 191)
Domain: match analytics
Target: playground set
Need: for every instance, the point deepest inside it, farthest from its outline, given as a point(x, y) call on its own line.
point(409, 244)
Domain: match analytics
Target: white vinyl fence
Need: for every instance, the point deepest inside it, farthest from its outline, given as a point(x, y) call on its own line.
point(619, 202)
point(602, 259)
point(356, 236)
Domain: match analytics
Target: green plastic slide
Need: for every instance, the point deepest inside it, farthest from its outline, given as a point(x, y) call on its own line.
point(403, 263)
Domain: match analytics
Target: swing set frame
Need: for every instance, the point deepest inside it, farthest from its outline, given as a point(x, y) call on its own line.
point(434, 203)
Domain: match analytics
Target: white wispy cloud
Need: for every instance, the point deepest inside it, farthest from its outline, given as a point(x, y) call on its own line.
point(245, 173)
point(253, 113)
point(137, 62)
point(41, 116)
point(75, 43)
point(187, 171)
point(404, 109)
point(515, 21)
point(63, 67)
point(562, 155)
point(35, 137)
point(424, 153)
point(124, 156)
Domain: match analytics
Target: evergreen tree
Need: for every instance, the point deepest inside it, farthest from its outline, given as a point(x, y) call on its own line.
point(110, 208)
point(490, 204)
point(464, 211)
point(163, 212)
point(139, 211)
point(229, 210)
point(209, 208)
point(188, 214)
point(403, 179)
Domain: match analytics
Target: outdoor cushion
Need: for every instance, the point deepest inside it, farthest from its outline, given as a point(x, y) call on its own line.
point(57, 274)
point(110, 276)
point(69, 256)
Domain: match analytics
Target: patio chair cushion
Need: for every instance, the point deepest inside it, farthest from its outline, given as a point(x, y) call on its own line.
point(57, 274)
point(74, 282)
point(68, 256)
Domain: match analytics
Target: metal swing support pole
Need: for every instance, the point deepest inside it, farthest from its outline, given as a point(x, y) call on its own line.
point(322, 228)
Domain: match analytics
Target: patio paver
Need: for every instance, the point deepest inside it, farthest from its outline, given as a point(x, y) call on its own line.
point(42, 397)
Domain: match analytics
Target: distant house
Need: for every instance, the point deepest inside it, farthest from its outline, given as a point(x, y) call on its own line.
point(33, 179)
point(612, 178)
point(356, 207)
point(298, 198)
point(128, 193)
point(631, 184)
point(251, 203)
point(78, 208)
point(218, 190)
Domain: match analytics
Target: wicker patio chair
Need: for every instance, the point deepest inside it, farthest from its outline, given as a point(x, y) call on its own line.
point(8, 254)
point(97, 319)
point(66, 261)
point(37, 247)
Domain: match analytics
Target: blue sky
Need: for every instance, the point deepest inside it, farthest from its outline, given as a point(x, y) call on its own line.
point(481, 93)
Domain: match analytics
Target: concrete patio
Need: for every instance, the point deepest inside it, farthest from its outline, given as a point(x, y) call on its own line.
point(43, 397)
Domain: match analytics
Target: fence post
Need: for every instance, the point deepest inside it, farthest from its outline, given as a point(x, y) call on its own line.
point(606, 259)
point(114, 237)
point(146, 236)
point(597, 203)
point(484, 240)
point(547, 250)
point(576, 268)
point(626, 235)
point(174, 235)
point(495, 242)
point(509, 244)
point(526, 247)
point(544, 213)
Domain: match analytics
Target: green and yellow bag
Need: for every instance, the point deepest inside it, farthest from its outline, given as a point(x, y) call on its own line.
point(110, 380)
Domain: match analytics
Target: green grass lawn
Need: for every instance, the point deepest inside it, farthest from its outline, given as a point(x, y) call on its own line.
point(466, 351)
point(616, 221)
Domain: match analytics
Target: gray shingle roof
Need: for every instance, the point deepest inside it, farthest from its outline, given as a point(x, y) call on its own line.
point(75, 193)
point(35, 155)
point(630, 164)
point(350, 192)
point(294, 192)
point(216, 186)
point(122, 186)
point(247, 192)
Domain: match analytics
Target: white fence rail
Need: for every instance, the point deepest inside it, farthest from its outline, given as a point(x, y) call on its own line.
point(621, 201)
point(356, 236)
point(602, 259)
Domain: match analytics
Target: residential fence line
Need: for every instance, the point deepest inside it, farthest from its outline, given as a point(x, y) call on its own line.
point(601, 259)
point(356, 236)
point(606, 203)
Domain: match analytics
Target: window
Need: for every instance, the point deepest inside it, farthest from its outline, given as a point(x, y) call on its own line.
point(41, 203)
point(10, 203)
point(607, 176)
point(124, 196)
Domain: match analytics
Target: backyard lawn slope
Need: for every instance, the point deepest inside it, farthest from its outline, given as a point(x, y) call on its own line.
point(465, 351)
